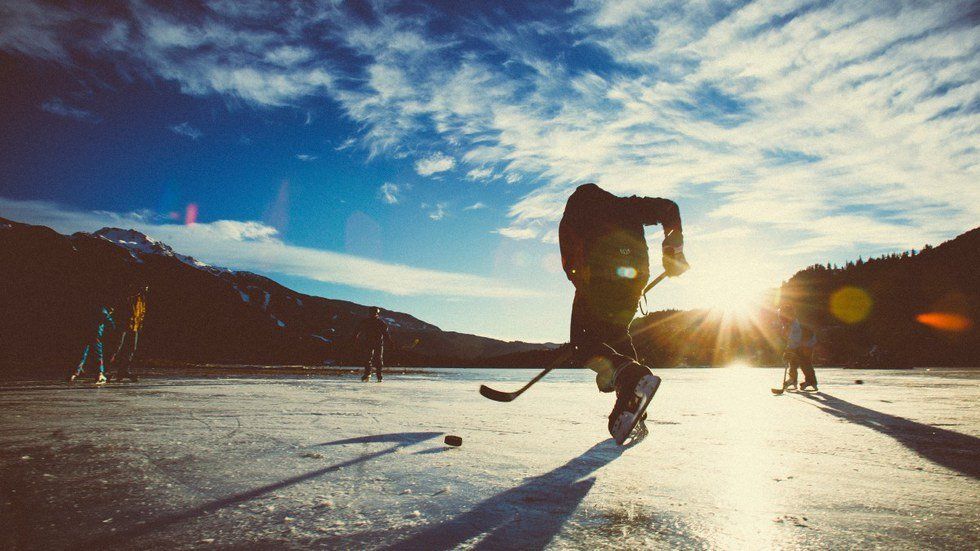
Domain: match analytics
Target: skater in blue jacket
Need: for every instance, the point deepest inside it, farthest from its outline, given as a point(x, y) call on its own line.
point(97, 346)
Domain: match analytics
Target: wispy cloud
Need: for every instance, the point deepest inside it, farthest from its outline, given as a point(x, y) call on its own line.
point(56, 106)
point(479, 173)
point(185, 129)
point(255, 246)
point(518, 233)
point(437, 211)
point(389, 193)
point(346, 144)
point(475, 206)
point(305, 157)
point(434, 163)
point(843, 123)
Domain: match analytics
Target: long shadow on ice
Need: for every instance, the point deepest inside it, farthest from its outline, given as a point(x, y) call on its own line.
point(953, 450)
point(527, 516)
point(400, 440)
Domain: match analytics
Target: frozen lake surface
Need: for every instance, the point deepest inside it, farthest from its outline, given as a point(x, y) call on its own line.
point(299, 462)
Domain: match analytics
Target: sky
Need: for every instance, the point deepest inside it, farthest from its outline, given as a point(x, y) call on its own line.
point(417, 156)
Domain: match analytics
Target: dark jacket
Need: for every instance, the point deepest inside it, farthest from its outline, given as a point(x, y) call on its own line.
point(601, 236)
point(373, 332)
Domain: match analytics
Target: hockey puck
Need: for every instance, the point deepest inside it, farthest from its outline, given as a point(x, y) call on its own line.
point(858, 382)
point(452, 440)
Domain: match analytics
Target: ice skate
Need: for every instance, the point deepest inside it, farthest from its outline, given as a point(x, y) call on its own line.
point(635, 387)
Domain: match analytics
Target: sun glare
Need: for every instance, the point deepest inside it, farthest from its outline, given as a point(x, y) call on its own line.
point(728, 278)
point(739, 295)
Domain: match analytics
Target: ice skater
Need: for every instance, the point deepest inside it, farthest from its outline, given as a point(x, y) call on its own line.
point(130, 338)
point(604, 254)
point(800, 341)
point(372, 336)
point(96, 346)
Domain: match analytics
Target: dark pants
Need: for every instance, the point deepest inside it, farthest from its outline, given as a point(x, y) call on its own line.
point(375, 358)
point(802, 359)
point(601, 317)
point(97, 348)
point(127, 368)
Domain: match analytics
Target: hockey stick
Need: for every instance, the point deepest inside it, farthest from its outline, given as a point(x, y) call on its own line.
point(778, 391)
point(499, 396)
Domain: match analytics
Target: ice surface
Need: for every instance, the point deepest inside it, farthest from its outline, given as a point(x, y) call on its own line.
point(336, 463)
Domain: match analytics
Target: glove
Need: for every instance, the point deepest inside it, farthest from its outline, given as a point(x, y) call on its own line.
point(674, 262)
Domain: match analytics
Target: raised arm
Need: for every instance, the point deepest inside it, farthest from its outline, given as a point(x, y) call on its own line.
point(655, 210)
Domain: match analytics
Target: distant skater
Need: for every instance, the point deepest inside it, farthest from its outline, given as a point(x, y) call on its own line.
point(129, 340)
point(800, 341)
point(604, 254)
point(96, 346)
point(372, 336)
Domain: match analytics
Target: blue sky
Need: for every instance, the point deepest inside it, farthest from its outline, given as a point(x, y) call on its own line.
point(417, 156)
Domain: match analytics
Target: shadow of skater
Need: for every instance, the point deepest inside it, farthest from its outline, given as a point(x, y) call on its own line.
point(526, 517)
point(399, 440)
point(953, 450)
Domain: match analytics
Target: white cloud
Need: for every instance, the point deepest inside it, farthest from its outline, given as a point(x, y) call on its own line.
point(185, 129)
point(56, 106)
point(479, 174)
point(346, 144)
point(435, 163)
point(287, 55)
point(34, 29)
point(518, 233)
point(248, 245)
point(839, 122)
point(390, 193)
point(438, 212)
point(774, 112)
point(475, 206)
point(305, 157)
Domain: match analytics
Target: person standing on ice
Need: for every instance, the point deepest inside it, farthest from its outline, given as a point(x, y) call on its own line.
point(372, 335)
point(105, 317)
point(604, 255)
point(137, 311)
point(800, 340)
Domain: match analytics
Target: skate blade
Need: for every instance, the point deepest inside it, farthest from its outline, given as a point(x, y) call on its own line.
point(638, 435)
point(627, 421)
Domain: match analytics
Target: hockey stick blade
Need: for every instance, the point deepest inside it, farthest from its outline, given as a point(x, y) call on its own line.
point(496, 395)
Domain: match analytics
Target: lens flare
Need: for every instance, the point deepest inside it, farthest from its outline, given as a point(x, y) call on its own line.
point(627, 272)
point(945, 321)
point(850, 304)
point(190, 214)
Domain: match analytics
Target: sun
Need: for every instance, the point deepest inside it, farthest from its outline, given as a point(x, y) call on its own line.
point(734, 295)
point(734, 289)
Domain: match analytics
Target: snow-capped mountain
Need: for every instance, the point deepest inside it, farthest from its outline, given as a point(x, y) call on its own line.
point(52, 284)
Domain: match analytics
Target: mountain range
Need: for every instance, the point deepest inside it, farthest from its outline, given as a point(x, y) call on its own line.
point(52, 287)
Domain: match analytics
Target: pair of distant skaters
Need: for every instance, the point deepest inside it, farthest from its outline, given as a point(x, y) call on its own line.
point(121, 360)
